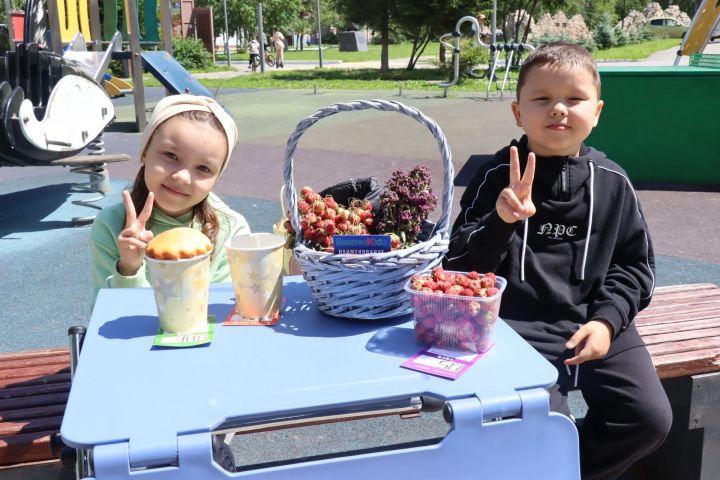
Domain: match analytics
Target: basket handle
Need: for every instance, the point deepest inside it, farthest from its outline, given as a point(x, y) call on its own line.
point(384, 105)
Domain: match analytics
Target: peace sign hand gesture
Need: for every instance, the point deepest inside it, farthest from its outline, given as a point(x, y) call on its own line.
point(515, 202)
point(133, 239)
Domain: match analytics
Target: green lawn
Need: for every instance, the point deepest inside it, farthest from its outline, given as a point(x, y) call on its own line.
point(343, 79)
point(638, 51)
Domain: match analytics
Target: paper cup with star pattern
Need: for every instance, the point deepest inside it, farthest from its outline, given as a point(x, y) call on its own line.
point(181, 292)
point(256, 263)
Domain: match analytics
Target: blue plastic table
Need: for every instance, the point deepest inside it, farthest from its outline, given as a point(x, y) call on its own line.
point(141, 408)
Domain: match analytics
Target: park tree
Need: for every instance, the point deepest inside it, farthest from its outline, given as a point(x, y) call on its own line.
point(593, 11)
point(623, 7)
point(374, 13)
point(424, 22)
point(519, 31)
point(421, 21)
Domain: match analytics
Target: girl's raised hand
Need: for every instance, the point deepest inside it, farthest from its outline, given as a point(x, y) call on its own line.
point(515, 202)
point(133, 239)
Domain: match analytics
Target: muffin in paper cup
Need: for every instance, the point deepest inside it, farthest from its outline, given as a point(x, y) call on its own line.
point(178, 261)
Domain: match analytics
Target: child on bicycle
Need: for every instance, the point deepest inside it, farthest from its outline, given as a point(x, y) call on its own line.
point(254, 49)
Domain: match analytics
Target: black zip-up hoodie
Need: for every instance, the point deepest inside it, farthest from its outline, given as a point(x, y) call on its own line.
point(586, 254)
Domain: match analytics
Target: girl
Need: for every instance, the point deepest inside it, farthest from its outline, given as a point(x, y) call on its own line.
point(185, 148)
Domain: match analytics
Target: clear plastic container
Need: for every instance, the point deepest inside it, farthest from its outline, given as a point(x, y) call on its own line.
point(456, 321)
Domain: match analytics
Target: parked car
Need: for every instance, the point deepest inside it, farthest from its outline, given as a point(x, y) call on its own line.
point(715, 35)
point(666, 27)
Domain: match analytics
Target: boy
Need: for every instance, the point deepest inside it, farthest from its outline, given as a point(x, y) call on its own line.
point(569, 236)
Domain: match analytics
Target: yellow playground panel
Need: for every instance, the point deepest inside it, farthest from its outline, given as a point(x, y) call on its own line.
point(74, 16)
point(701, 27)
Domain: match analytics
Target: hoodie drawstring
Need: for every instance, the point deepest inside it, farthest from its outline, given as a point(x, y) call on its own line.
point(577, 374)
point(524, 248)
point(590, 218)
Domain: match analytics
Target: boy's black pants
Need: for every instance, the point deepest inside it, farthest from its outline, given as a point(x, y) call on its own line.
point(628, 414)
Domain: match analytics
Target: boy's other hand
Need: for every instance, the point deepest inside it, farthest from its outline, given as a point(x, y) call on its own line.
point(515, 201)
point(591, 342)
point(133, 239)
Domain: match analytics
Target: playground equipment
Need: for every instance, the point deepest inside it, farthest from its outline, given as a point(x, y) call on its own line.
point(513, 53)
point(702, 26)
point(52, 107)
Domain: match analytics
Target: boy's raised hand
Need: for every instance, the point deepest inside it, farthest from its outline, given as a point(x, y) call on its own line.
point(515, 201)
point(133, 239)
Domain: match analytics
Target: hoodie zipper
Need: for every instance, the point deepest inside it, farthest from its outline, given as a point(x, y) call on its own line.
point(564, 177)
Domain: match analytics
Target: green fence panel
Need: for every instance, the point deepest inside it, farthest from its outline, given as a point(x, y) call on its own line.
point(661, 123)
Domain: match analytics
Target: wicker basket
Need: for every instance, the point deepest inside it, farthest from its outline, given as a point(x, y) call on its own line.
point(369, 286)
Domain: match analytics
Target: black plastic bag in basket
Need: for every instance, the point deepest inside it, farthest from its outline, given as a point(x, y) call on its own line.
point(362, 188)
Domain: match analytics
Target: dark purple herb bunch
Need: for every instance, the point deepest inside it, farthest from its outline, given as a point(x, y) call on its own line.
point(406, 202)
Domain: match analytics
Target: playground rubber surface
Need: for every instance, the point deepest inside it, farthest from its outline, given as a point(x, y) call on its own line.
point(45, 263)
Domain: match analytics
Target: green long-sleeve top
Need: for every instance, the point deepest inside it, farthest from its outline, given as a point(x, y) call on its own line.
point(111, 221)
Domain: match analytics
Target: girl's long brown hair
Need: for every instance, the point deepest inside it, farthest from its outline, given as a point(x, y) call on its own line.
point(203, 213)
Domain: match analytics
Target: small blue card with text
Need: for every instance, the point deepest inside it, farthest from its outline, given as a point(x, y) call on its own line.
point(361, 243)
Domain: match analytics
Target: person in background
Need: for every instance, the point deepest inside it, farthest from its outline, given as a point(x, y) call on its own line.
point(485, 33)
point(278, 41)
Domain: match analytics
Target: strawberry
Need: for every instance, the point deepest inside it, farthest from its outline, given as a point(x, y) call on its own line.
point(330, 202)
point(439, 274)
point(490, 291)
point(329, 214)
point(319, 208)
point(304, 207)
point(473, 275)
point(306, 191)
point(468, 292)
point(320, 236)
point(394, 241)
point(311, 218)
point(488, 280)
point(454, 290)
point(330, 227)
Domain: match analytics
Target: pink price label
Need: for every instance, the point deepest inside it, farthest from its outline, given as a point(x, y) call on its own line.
point(441, 362)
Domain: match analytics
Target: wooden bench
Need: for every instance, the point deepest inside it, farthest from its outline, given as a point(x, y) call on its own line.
point(34, 388)
point(681, 327)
